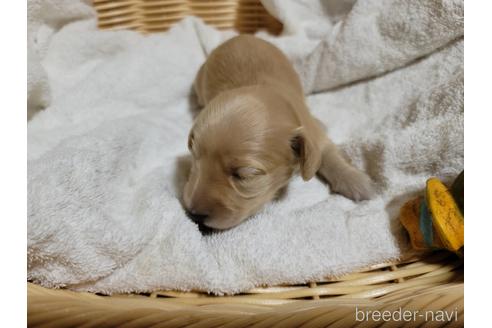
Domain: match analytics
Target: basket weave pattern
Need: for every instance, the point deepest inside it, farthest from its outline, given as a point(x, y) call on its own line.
point(246, 16)
point(433, 282)
point(69, 309)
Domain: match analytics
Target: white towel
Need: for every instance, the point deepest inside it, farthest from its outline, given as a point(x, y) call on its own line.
point(45, 18)
point(107, 158)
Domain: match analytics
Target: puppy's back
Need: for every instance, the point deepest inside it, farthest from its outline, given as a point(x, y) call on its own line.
point(244, 61)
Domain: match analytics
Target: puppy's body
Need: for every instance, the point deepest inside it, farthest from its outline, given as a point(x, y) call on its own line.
point(245, 61)
point(254, 132)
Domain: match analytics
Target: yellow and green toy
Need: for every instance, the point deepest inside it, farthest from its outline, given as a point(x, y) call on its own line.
point(436, 220)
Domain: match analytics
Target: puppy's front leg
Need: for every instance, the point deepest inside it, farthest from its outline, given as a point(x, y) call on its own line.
point(344, 178)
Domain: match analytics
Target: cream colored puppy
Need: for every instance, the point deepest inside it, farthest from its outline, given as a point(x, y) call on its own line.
point(254, 132)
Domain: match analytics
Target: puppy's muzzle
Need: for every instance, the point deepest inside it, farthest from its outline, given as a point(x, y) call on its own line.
point(198, 218)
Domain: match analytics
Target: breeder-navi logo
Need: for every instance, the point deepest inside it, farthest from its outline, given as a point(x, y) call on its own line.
point(406, 315)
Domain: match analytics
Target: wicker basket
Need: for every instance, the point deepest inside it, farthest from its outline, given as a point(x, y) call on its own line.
point(428, 282)
point(246, 16)
point(425, 283)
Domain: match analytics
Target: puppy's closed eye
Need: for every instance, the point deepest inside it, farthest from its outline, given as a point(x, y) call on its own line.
point(246, 173)
point(248, 182)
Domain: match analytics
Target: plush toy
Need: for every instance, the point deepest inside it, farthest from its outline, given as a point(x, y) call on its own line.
point(435, 220)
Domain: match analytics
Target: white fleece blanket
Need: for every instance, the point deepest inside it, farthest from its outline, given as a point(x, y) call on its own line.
point(107, 156)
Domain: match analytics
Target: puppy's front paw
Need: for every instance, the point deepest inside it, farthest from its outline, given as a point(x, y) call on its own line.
point(353, 184)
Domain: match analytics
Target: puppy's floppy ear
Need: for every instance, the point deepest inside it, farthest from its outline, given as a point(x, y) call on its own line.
point(191, 140)
point(308, 151)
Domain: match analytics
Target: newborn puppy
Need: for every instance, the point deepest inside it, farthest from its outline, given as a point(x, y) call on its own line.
point(254, 132)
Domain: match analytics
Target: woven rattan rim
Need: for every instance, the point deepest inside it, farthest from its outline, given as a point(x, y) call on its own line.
point(431, 282)
point(246, 16)
point(68, 309)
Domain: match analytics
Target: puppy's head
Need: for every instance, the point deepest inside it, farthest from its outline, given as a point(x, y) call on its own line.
point(245, 146)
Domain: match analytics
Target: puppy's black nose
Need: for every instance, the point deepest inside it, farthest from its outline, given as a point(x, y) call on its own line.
point(197, 217)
